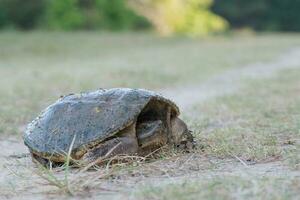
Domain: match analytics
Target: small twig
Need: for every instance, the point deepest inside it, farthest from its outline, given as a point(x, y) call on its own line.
point(12, 171)
point(239, 159)
point(18, 156)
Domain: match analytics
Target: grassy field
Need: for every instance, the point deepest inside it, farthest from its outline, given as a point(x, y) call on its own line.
point(247, 143)
point(258, 125)
point(37, 67)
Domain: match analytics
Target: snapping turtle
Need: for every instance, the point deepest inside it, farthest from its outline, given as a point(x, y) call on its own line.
point(114, 121)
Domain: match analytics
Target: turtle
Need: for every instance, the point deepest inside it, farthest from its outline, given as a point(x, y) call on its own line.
point(105, 122)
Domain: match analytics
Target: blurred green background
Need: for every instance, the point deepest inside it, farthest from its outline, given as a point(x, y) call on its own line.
point(191, 17)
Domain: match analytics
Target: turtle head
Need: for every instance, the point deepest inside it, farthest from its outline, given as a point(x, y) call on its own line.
point(181, 135)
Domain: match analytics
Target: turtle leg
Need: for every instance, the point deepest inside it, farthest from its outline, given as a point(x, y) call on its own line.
point(125, 143)
point(44, 161)
point(157, 133)
point(151, 134)
point(39, 160)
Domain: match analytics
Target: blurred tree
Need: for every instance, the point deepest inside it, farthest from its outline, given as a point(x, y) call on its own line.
point(283, 15)
point(191, 17)
point(20, 13)
point(3, 16)
point(260, 14)
point(92, 14)
point(64, 14)
point(115, 15)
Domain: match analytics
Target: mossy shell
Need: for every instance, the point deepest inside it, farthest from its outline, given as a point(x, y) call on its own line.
point(88, 118)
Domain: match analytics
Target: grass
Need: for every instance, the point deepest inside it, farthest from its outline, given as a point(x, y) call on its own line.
point(229, 187)
point(258, 125)
point(37, 67)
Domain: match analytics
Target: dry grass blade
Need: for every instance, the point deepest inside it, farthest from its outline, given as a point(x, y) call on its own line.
point(241, 161)
point(12, 171)
point(48, 174)
point(118, 160)
point(153, 152)
point(68, 165)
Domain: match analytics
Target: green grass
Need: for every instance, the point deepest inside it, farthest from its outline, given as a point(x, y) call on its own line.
point(37, 67)
point(230, 187)
point(259, 124)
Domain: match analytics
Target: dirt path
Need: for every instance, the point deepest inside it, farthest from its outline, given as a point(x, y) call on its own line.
point(230, 81)
point(14, 185)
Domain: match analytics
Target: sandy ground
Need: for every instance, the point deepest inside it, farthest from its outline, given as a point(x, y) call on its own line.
point(18, 182)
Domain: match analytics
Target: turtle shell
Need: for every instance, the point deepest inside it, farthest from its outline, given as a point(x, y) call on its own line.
point(87, 118)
